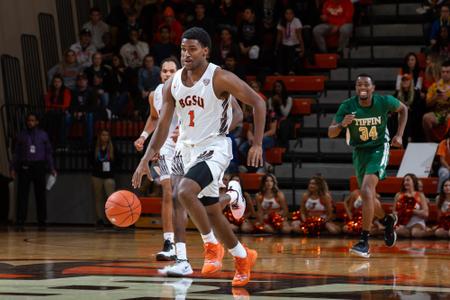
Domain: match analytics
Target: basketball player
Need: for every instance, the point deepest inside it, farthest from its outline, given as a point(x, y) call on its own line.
point(365, 117)
point(199, 93)
point(168, 67)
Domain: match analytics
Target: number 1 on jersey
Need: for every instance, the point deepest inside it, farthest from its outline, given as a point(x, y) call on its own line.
point(191, 118)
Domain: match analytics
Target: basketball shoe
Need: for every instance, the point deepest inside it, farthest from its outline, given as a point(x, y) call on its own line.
point(390, 236)
point(213, 258)
point(243, 267)
point(180, 268)
point(361, 248)
point(237, 206)
point(167, 253)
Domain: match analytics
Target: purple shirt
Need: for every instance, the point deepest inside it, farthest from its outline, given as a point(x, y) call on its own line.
point(32, 146)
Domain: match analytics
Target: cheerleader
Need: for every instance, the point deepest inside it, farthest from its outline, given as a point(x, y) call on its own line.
point(274, 210)
point(316, 206)
point(353, 209)
point(411, 207)
point(443, 206)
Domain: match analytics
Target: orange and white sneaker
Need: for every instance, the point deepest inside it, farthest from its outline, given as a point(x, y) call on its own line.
point(243, 267)
point(213, 258)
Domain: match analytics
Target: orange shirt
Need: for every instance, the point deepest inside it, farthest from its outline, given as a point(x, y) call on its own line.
point(443, 150)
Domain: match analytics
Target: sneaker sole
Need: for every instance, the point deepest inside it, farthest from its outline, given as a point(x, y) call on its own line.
point(162, 257)
point(359, 254)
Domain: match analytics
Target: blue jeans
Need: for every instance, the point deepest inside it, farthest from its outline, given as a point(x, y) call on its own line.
point(89, 123)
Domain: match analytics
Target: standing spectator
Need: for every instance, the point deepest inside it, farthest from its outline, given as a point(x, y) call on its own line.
point(202, 20)
point(281, 103)
point(176, 29)
point(443, 152)
point(104, 161)
point(97, 27)
point(289, 47)
point(411, 67)
point(225, 46)
point(443, 21)
point(134, 51)
point(442, 45)
point(99, 69)
point(84, 49)
point(132, 23)
point(337, 17)
point(443, 211)
point(148, 76)
point(68, 69)
point(31, 160)
point(164, 48)
point(438, 104)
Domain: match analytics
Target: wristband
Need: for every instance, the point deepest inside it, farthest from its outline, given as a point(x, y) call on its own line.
point(144, 134)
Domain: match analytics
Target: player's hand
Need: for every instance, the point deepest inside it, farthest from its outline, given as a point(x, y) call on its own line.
point(348, 119)
point(397, 141)
point(141, 170)
point(139, 143)
point(254, 156)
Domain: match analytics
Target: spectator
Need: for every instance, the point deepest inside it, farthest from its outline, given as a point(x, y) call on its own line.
point(316, 203)
point(68, 69)
point(411, 67)
point(201, 20)
point(225, 46)
point(102, 98)
point(443, 211)
point(99, 69)
point(274, 210)
point(249, 35)
point(256, 86)
point(176, 29)
point(164, 48)
point(108, 50)
point(438, 104)
point(411, 208)
point(337, 18)
point(121, 84)
point(443, 21)
point(432, 73)
point(235, 131)
point(132, 23)
point(148, 76)
point(118, 15)
point(84, 49)
point(442, 45)
point(97, 27)
point(443, 152)
point(31, 159)
point(281, 103)
point(226, 12)
point(231, 64)
point(289, 47)
point(104, 161)
point(134, 51)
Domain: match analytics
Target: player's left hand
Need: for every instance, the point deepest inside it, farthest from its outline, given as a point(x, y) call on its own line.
point(254, 157)
point(396, 141)
point(141, 170)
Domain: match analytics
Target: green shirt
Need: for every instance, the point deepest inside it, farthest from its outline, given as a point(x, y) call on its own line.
point(368, 129)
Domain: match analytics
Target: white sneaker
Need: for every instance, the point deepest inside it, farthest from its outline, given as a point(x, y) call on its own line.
point(168, 252)
point(237, 206)
point(180, 268)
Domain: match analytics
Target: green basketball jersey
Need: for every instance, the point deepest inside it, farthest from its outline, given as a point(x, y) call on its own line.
point(368, 129)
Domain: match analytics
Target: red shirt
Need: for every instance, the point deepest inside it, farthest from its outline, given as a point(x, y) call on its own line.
point(338, 12)
point(52, 102)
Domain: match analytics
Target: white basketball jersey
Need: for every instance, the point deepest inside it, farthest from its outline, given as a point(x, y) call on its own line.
point(201, 114)
point(157, 103)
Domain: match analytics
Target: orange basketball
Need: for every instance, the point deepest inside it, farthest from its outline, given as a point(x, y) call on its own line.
point(123, 208)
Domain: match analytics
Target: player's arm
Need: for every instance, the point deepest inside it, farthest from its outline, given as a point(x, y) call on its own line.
point(238, 114)
point(150, 124)
point(402, 111)
point(341, 120)
point(227, 82)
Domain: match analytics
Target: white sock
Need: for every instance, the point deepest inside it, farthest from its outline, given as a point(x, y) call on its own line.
point(169, 236)
point(233, 195)
point(238, 251)
point(180, 249)
point(209, 238)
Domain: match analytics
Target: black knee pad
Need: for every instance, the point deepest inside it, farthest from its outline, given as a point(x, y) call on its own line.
point(201, 174)
point(206, 201)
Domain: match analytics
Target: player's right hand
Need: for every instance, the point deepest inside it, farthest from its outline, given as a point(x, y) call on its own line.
point(139, 143)
point(141, 170)
point(348, 119)
point(254, 156)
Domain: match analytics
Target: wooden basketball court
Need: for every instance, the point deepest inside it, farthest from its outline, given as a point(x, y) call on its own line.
point(84, 263)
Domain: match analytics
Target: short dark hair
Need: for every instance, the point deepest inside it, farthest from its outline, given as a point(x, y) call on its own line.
point(171, 59)
point(199, 34)
point(95, 9)
point(445, 64)
point(367, 76)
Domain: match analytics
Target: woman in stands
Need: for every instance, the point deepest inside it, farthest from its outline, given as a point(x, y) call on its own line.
point(281, 103)
point(443, 207)
point(274, 210)
point(411, 207)
point(432, 73)
point(411, 67)
point(316, 209)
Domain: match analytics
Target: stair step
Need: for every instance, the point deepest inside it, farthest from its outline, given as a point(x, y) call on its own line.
point(377, 73)
point(309, 144)
point(391, 9)
point(385, 51)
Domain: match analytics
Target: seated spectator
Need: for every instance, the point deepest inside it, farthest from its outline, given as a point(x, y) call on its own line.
point(443, 152)
point(316, 209)
point(411, 208)
point(118, 15)
point(231, 64)
point(249, 38)
point(337, 17)
point(148, 76)
point(97, 27)
point(443, 211)
point(225, 14)
point(432, 73)
point(225, 46)
point(289, 47)
point(164, 48)
point(411, 67)
point(438, 104)
point(121, 84)
point(108, 50)
point(281, 103)
point(84, 49)
point(442, 45)
point(443, 21)
point(102, 97)
point(99, 69)
point(68, 69)
point(134, 51)
point(104, 160)
point(353, 210)
point(176, 29)
point(256, 86)
point(202, 20)
point(132, 23)
point(274, 210)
